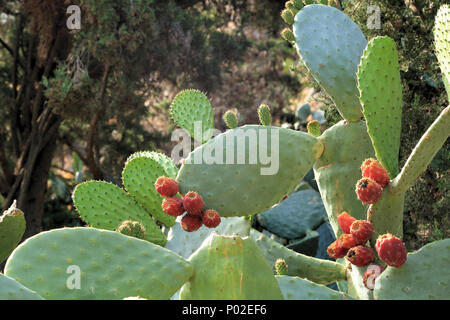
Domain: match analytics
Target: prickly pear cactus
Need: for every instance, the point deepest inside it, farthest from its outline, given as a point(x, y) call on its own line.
point(12, 228)
point(331, 45)
point(230, 268)
point(89, 263)
point(10, 289)
point(251, 158)
point(105, 206)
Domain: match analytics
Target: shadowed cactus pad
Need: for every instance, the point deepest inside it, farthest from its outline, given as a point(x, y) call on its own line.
point(331, 45)
point(110, 266)
point(266, 162)
point(12, 228)
point(294, 216)
point(190, 108)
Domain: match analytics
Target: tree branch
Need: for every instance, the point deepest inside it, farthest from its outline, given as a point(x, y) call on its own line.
point(90, 154)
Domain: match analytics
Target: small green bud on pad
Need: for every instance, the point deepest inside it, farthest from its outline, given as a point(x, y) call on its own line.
point(265, 118)
point(132, 229)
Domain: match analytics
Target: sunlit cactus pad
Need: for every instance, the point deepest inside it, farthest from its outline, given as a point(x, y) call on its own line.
point(110, 265)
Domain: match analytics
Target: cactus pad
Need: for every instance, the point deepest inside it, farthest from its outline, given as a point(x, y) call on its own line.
point(441, 40)
point(331, 45)
point(424, 276)
point(294, 216)
point(12, 227)
point(104, 205)
point(381, 97)
point(189, 107)
point(139, 176)
point(110, 266)
point(294, 288)
point(273, 161)
point(347, 144)
point(230, 268)
point(164, 161)
point(10, 289)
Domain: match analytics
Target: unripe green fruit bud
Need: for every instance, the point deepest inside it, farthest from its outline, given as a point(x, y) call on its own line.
point(287, 16)
point(288, 35)
point(314, 128)
point(291, 6)
point(132, 229)
point(281, 267)
point(230, 119)
point(306, 2)
point(324, 2)
point(264, 115)
point(298, 4)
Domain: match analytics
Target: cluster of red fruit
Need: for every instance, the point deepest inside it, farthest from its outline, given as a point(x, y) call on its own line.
point(351, 245)
point(375, 178)
point(192, 203)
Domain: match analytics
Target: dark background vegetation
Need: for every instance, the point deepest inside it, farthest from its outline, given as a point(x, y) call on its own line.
point(75, 103)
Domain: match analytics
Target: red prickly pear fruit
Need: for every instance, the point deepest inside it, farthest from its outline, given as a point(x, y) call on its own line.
point(173, 206)
point(361, 230)
point(345, 221)
point(347, 241)
point(360, 256)
point(336, 250)
point(166, 187)
point(371, 274)
point(191, 222)
point(391, 250)
point(193, 203)
point(368, 191)
point(211, 218)
point(372, 169)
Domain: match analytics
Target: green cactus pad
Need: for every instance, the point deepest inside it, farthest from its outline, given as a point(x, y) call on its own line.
point(265, 118)
point(110, 266)
point(331, 45)
point(380, 90)
point(12, 228)
point(230, 268)
point(104, 205)
point(164, 161)
point(139, 176)
point(316, 270)
point(132, 229)
point(441, 36)
point(424, 276)
point(265, 182)
point(347, 145)
point(387, 215)
point(287, 16)
point(230, 119)
point(189, 107)
point(314, 128)
point(294, 216)
point(10, 289)
point(186, 243)
point(294, 288)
